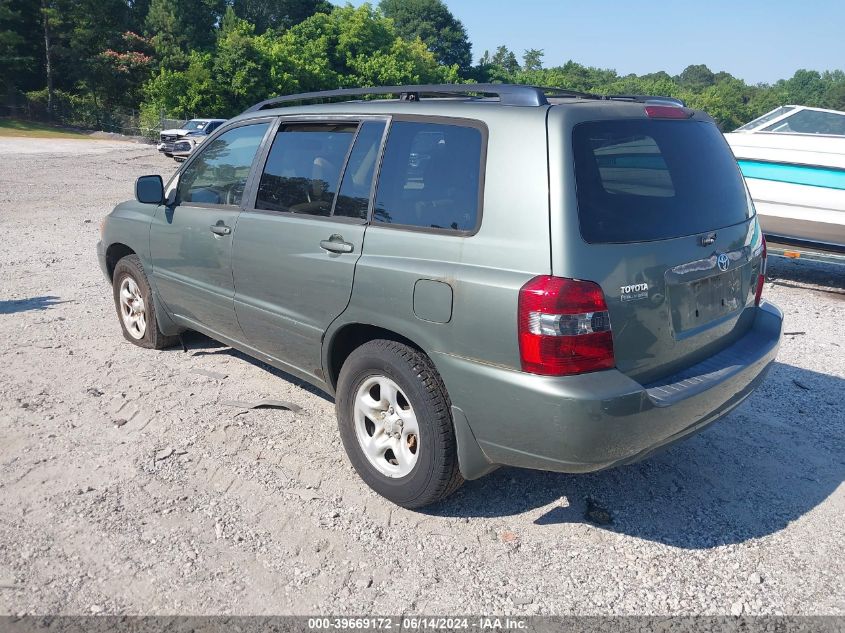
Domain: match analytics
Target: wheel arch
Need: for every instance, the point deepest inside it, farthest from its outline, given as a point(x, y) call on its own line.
point(349, 336)
point(118, 250)
point(114, 253)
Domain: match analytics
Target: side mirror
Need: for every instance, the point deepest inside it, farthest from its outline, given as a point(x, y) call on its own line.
point(149, 190)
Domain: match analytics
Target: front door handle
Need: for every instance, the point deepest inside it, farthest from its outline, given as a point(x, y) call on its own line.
point(336, 244)
point(220, 229)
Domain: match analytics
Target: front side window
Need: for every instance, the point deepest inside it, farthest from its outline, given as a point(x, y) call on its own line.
point(430, 176)
point(219, 173)
point(303, 169)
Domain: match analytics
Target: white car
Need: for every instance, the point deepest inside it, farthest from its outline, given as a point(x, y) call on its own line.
point(178, 143)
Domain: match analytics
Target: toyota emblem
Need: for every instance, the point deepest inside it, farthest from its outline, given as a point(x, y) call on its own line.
point(723, 262)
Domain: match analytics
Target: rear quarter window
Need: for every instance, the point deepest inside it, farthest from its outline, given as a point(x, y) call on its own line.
point(431, 177)
point(641, 180)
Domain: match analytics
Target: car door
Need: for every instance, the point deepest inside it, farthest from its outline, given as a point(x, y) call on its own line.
point(298, 241)
point(191, 239)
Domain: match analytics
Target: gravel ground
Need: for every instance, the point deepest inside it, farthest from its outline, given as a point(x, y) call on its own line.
point(127, 487)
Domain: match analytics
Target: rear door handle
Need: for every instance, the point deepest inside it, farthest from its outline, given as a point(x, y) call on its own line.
point(336, 244)
point(220, 229)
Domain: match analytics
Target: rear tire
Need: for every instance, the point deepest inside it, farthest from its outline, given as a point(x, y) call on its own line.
point(133, 299)
point(394, 417)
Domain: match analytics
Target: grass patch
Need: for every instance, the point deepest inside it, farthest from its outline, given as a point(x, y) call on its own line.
point(16, 127)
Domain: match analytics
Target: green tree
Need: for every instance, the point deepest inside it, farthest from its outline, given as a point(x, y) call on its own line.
point(532, 60)
point(21, 45)
point(96, 53)
point(834, 96)
point(278, 14)
point(117, 74)
point(726, 101)
point(350, 47)
point(505, 59)
point(434, 24)
point(215, 57)
point(805, 87)
point(696, 77)
point(177, 27)
point(241, 65)
point(184, 93)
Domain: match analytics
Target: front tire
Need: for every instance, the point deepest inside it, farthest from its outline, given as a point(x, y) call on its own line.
point(394, 417)
point(133, 299)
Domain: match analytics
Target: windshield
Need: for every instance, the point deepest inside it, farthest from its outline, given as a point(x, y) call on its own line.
point(771, 116)
point(639, 180)
point(810, 122)
point(194, 125)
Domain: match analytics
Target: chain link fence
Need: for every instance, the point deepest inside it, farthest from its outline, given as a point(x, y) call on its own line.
point(73, 112)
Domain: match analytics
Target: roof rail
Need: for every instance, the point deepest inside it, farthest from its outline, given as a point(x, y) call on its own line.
point(508, 94)
point(553, 92)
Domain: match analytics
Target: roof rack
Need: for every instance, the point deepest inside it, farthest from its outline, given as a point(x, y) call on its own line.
point(508, 94)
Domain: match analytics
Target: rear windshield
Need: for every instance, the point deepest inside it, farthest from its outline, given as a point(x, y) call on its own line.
point(640, 180)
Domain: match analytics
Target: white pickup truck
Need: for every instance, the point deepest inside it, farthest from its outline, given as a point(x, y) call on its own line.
point(178, 143)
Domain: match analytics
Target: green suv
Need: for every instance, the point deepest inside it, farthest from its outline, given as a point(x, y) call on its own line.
point(481, 275)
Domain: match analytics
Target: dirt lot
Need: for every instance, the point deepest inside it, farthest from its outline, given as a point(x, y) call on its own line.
point(127, 487)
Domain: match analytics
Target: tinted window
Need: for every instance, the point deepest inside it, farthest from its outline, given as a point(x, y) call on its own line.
point(430, 176)
point(354, 197)
point(303, 168)
point(218, 174)
point(641, 180)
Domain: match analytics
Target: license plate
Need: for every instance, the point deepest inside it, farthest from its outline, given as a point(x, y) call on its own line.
point(698, 302)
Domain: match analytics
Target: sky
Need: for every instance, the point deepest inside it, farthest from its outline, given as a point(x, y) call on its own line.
point(755, 40)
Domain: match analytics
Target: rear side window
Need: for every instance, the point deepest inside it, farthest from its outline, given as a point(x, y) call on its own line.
point(354, 197)
point(642, 180)
point(430, 176)
point(302, 172)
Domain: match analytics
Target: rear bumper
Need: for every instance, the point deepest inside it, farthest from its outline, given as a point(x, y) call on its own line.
point(594, 421)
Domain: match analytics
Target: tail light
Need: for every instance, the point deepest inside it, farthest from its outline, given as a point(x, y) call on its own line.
point(761, 278)
point(564, 327)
